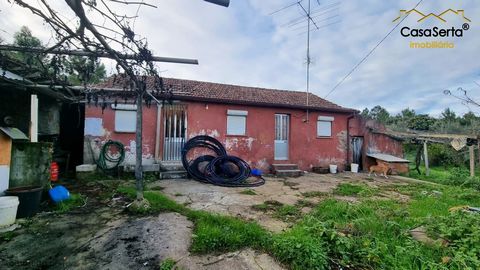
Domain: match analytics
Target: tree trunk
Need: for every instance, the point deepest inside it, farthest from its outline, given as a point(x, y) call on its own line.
point(418, 158)
point(138, 148)
point(425, 153)
point(472, 160)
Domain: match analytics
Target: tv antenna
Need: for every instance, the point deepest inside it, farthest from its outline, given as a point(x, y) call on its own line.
point(311, 19)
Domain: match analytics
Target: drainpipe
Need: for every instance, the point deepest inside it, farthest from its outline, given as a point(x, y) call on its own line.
point(348, 136)
point(157, 134)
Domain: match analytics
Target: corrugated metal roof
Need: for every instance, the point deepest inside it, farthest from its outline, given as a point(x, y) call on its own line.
point(387, 157)
point(14, 133)
point(10, 75)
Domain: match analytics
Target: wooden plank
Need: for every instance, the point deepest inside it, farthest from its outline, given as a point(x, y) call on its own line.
point(472, 160)
point(425, 154)
point(5, 149)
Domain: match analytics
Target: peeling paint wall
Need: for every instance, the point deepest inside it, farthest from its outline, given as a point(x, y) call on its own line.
point(257, 146)
point(100, 128)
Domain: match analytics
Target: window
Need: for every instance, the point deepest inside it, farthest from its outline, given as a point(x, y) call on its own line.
point(125, 117)
point(236, 122)
point(324, 126)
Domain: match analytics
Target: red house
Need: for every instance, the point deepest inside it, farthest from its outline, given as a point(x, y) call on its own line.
point(262, 126)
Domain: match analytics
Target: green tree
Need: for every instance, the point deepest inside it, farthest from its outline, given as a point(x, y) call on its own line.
point(421, 122)
point(449, 115)
point(78, 70)
point(468, 119)
point(365, 113)
point(25, 38)
point(407, 113)
point(380, 114)
point(85, 70)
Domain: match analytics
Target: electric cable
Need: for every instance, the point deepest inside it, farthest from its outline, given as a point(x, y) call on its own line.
point(369, 53)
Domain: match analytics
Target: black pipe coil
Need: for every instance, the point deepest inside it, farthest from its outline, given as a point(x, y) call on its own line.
point(222, 169)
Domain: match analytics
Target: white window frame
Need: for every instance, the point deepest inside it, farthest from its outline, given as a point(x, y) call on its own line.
point(324, 122)
point(237, 122)
point(128, 111)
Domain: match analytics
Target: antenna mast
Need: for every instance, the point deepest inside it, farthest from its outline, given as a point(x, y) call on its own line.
point(307, 14)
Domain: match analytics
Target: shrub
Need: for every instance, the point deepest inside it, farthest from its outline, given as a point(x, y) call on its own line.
point(462, 231)
point(300, 250)
point(444, 155)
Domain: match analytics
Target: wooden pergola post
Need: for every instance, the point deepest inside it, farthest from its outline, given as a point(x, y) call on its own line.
point(472, 160)
point(425, 154)
point(478, 148)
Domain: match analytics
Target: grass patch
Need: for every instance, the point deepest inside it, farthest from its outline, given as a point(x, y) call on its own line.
point(158, 188)
point(371, 234)
point(311, 194)
point(271, 205)
point(287, 213)
point(347, 189)
point(75, 200)
point(248, 192)
point(7, 236)
point(167, 264)
point(304, 203)
point(290, 184)
point(178, 194)
point(453, 176)
point(213, 232)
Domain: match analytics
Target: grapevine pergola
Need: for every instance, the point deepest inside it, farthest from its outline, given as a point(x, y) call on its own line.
point(101, 29)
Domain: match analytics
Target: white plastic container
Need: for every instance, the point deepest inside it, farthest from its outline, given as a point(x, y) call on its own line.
point(333, 168)
point(354, 167)
point(8, 210)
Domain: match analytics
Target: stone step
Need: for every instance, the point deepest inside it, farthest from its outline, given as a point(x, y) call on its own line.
point(288, 173)
point(173, 175)
point(277, 167)
point(171, 166)
point(146, 168)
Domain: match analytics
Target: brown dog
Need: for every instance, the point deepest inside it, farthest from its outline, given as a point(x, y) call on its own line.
point(381, 168)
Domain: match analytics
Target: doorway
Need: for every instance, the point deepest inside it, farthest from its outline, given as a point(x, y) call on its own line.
point(175, 129)
point(357, 148)
point(281, 136)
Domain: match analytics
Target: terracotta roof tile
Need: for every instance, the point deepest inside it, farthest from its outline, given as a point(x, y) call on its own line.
point(234, 94)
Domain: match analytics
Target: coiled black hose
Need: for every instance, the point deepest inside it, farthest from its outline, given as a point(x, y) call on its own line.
point(222, 170)
point(108, 162)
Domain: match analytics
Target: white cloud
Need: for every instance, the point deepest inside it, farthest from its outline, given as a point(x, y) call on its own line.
point(244, 45)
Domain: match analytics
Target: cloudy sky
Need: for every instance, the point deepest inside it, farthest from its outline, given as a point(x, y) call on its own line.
point(244, 44)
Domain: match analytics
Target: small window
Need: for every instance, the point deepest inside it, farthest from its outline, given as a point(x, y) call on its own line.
point(236, 122)
point(125, 118)
point(324, 126)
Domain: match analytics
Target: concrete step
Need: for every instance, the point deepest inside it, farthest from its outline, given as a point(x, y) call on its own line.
point(146, 168)
point(288, 173)
point(173, 174)
point(277, 167)
point(171, 166)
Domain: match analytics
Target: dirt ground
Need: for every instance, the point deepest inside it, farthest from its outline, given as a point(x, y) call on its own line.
point(101, 235)
point(287, 191)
